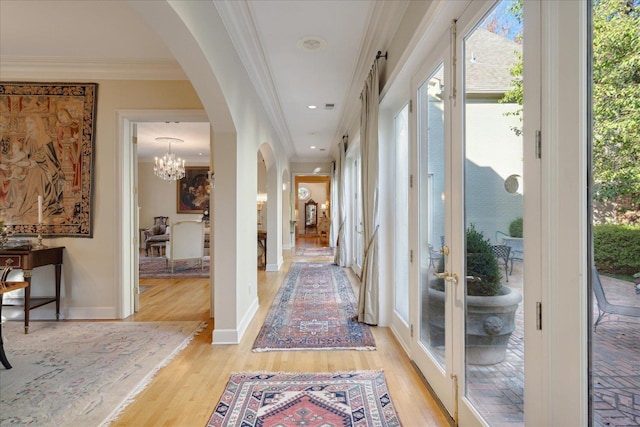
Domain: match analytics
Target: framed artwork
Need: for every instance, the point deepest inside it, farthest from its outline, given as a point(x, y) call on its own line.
point(47, 154)
point(194, 190)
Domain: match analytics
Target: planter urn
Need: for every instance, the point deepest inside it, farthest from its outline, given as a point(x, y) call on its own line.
point(490, 321)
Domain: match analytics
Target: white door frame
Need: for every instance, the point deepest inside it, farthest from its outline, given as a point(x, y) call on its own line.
point(127, 237)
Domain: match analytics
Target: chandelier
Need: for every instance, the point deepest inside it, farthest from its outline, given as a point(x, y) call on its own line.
point(168, 167)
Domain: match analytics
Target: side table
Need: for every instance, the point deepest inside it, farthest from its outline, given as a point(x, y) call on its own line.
point(26, 260)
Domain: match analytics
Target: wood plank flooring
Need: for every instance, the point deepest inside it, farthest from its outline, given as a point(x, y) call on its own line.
point(185, 392)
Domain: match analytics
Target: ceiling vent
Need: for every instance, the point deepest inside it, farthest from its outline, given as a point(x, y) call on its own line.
point(329, 106)
point(311, 43)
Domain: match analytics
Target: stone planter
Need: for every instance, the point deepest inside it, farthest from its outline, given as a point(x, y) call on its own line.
point(490, 322)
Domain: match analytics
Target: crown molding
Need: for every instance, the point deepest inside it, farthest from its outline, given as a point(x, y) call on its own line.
point(59, 68)
point(241, 27)
point(383, 22)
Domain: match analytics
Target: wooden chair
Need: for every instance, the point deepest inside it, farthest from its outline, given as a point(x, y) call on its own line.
point(4, 288)
point(186, 242)
point(605, 308)
point(156, 233)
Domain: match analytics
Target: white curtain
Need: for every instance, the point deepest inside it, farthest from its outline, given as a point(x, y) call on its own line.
point(368, 307)
point(341, 247)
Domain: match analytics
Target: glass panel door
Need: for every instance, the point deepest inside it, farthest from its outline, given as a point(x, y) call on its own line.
point(615, 275)
point(432, 218)
point(356, 211)
point(401, 217)
point(434, 303)
point(493, 209)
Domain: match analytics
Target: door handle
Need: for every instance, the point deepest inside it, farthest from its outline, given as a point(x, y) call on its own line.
point(449, 277)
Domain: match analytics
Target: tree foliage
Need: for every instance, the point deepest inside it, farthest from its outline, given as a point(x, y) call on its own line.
point(616, 100)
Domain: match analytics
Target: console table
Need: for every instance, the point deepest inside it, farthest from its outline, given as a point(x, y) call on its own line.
point(26, 260)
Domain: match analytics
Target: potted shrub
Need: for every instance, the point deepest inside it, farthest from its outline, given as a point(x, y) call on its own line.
point(490, 306)
point(515, 228)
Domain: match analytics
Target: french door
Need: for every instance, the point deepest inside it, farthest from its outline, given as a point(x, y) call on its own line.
point(470, 174)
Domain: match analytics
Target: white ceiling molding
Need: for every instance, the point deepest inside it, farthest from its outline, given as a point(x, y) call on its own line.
point(384, 19)
point(58, 68)
point(240, 25)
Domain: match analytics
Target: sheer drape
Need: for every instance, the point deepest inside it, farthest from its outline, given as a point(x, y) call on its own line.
point(368, 307)
point(341, 249)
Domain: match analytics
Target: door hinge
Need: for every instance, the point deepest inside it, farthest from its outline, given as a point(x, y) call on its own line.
point(538, 144)
point(411, 106)
point(411, 256)
point(134, 140)
point(411, 181)
point(411, 330)
point(539, 316)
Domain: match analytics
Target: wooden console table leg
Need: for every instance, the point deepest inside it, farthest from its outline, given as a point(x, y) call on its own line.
point(58, 274)
point(27, 299)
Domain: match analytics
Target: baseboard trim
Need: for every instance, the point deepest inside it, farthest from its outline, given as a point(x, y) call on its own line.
point(233, 336)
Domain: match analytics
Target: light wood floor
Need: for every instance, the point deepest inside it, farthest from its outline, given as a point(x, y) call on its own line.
point(185, 392)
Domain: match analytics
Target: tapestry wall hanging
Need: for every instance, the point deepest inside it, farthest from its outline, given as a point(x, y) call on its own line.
point(47, 157)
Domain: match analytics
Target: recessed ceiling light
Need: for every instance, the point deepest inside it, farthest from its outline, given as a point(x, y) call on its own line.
point(311, 43)
point(316, 170)
point(313, 147)
point(312, 107)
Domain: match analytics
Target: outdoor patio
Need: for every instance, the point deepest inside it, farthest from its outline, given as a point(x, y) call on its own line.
point(497, 391)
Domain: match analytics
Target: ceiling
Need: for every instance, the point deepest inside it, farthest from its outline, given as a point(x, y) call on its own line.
point(315, 53)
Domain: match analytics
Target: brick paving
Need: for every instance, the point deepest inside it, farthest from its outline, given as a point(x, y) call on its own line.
point(497, 391)
point(616, 361)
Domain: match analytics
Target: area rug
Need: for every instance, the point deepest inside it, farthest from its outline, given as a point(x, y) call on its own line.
point(82, 373)
point(313, 310)
point(326, 251)
point(358, 398)
point(157, 268)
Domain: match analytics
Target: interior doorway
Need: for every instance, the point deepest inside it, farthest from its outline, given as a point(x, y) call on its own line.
point(128, 194)
point(312, 209)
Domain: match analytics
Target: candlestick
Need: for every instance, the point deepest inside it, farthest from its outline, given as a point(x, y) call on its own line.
point(39, 209)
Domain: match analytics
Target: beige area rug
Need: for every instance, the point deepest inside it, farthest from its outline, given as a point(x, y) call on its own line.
point(83, 373)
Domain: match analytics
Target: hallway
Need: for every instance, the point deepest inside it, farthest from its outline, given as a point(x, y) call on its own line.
point(185, 391)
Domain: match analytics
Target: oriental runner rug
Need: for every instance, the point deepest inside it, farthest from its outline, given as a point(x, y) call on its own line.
point(83, 373)
point(314, 310)
point(325, 251)
point(157, 268)
point(343, 399)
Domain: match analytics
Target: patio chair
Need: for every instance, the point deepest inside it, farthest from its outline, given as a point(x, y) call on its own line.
point(434, 256)
point(515, 243)
point(605, 308)
point(502, 253)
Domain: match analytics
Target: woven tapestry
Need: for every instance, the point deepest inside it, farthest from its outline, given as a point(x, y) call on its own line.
point(47, 157)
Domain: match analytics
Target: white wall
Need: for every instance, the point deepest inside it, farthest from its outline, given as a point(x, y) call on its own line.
point(157, 197)
point(89, 286)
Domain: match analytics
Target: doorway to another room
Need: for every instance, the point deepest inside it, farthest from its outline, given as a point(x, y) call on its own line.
point(312, 210)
